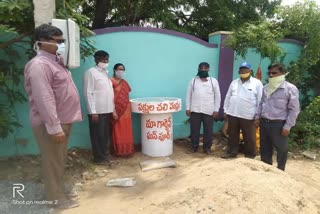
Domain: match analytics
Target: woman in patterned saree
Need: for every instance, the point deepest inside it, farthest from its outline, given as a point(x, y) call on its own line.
point(122, 137)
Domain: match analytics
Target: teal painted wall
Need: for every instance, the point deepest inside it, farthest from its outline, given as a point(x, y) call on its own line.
point(162, 68)
point(157, 64)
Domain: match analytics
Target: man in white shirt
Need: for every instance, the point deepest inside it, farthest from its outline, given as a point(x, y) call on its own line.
point(240, 108)
point(99, 96)
point(202, 106)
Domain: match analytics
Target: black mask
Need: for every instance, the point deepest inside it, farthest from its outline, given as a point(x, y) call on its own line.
point(203, 74)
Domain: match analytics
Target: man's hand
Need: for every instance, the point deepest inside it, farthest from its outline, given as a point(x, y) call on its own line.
point(115, 115)
point(215, 115)
point(225, 116)
point(188, 113)
point(59, 137)
point(95, 118)
point(285, 132)
point(257, 122)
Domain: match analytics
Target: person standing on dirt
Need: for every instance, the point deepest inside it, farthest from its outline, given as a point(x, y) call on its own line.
point(99, 96)
point(54, 106)
point(278, 111)
point(202, 106)
point(240, 107)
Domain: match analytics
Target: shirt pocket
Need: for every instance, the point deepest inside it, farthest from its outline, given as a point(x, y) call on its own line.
point(101, 83)
point(248, 94)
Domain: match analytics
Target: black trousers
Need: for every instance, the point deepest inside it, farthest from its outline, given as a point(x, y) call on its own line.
point(195, 124)
point(100, 136)
point(248, 129)
point(270, 137)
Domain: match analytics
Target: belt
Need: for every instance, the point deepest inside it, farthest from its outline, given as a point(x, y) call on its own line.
point(271, 121)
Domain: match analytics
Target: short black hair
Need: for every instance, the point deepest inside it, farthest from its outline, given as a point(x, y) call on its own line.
point(101, 54)
point(46, 31)
point(115, 67)
point(204, 64)
point(280, 67)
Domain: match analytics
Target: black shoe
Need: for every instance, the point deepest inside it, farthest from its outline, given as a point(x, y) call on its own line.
point(250, 156)
point(208, 152)
point(104, 162)
point(228, 155)
point(192, 151)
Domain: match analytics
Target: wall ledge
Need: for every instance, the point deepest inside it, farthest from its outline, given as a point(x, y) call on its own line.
point(294, 41)
point(291, 41)
point(221, 32)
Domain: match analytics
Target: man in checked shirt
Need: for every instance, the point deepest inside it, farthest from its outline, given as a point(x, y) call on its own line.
point(54, 106)
point(278, 111)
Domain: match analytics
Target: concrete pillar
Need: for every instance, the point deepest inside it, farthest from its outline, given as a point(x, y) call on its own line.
point(225, 68)
point(44, 11)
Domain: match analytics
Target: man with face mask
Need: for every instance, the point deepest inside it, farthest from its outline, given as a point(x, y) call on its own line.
point(240, 107)
point(99, 96)
point(278, 111)
point(202, 106)
point(54, 106)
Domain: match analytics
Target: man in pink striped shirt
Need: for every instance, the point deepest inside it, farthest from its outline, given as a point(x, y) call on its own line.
point(54, 106)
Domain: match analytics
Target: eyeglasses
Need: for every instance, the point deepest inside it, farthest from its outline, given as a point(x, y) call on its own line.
point(272, 72)
point(59, 41)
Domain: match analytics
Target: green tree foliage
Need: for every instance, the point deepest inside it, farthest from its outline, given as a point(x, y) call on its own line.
point(216, 15)
point(111, 13)
point(196, 17)
point(302, 22)
point(306, 133)
point(15, 27)
point(72, 9)
point(16, 30)
point(262, 37)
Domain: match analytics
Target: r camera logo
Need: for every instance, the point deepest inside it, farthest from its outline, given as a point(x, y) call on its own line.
point(17, 190)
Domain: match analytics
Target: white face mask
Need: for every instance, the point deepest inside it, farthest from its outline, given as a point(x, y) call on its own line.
point(61, 47)
point(120, 74)
point(103, 65)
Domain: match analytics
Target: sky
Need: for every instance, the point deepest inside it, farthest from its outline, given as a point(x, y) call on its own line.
point(290, 2)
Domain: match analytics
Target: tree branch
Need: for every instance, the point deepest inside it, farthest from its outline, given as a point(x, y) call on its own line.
point(12, 41)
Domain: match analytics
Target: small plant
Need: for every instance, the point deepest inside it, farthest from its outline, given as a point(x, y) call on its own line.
point(306, 133)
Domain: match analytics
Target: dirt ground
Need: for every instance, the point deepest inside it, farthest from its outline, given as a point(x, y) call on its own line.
point(199, 184)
